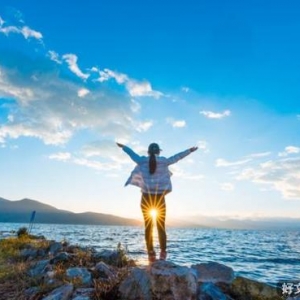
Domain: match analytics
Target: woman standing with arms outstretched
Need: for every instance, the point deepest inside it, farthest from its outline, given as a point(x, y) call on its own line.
point(152, 175)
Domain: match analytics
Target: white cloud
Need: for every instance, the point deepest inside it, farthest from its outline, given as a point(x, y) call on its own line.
point(144, 126)
point(53, 112)
point(179, 124)
point(26, 31)
point(289, 150)
point(61, 156)
point(282, 174)
point(227, 186)
point(261, 154)
point(220, 162)
point(83, 92)
point(135, 88)
point(215, 115)
point(54, 56)
point(71, 60)
point(203, 146)
point(185, 89)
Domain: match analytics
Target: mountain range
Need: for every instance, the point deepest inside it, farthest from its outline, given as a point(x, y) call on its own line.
point(20, 212)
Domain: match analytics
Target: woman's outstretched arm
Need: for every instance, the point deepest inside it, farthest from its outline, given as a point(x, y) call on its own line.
point(175, 158)
point(135, 157)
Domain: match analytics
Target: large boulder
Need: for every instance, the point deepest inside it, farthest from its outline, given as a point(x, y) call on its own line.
point(163, 280)
point(248, 289)
point(214, 272)
point(62, 293)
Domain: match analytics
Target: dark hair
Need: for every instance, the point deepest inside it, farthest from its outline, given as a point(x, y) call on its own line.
point(152, 150)
point(152, 163)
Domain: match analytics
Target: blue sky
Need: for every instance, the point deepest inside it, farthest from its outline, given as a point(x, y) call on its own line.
point(77, 76)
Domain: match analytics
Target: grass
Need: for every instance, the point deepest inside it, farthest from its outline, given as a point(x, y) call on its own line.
point(14, 278)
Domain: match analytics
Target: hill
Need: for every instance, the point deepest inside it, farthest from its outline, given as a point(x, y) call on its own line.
point(20, 212)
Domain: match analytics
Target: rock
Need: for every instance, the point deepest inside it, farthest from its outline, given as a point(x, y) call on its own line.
point(40, 268)
point(29, 253)
point(164, 280)
point(54, 248)
point(214, 272)
point(82, 273)
point(172, 282)
point(83, 294)
point(108, 256)
point(209, 291)
point(247, 289)
point(61, 257)
point(136, 286)
point(62, 293)
point(104, 270)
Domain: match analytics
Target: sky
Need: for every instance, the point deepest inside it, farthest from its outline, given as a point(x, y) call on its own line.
point(77, 76)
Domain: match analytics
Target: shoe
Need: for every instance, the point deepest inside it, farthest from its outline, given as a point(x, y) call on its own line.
point(163, 255)
point(151, 256)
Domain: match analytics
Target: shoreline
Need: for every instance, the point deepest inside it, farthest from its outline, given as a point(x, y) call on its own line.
point(60, 267)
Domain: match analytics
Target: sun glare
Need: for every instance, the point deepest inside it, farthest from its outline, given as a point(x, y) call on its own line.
point(153, 213)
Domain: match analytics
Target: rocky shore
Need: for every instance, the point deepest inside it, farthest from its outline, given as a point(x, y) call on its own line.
point(51, 270)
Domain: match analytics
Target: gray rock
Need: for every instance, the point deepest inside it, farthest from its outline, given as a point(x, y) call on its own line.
point(61, 257)
point(108, 256)
point(82, 273)
point(208, 291)
point(136, 286)
point(172, 282)
point(83, 293)
point(62, 293)
point(54, 248)
point(247, 289)
point(214, 272)
point(29, 253)
point(40, 268)
point(104, 270)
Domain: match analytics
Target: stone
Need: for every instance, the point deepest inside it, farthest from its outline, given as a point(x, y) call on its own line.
point(104, 270)
point(29, 253)
point(172, 282)
point(209, 291)
point(40, 268)
point(83, 293)
point(248, 289)
point(62, 293)
point(61, 257)
point(214, 272)
point(82, 273)
point(136, 285)
point(54, 248)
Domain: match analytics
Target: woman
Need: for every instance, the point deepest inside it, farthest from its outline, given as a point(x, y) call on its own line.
point(152, 175)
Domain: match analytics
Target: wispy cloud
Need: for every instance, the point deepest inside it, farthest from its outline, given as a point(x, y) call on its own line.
point(83, 92)
point(215, 115)
point(203, 145)
point(135, 88)
point(176, 123)
point(54, 56)
point(26, 31)
point(220, 162)
point(71, 60)
point(258, 155)
point(282, 174)
point(61, 156)
point(289, 150)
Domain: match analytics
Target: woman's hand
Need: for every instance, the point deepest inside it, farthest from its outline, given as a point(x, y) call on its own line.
point(193, 149)
point(120, 145)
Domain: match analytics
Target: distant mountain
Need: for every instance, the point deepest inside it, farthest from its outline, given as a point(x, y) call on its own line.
point(20, 212)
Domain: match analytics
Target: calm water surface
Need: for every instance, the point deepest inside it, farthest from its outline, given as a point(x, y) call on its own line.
point(267, 256)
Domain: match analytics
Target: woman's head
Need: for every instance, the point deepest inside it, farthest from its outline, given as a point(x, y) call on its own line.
point(153, 149)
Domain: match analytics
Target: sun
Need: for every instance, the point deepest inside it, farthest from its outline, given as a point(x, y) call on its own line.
point(153, 213)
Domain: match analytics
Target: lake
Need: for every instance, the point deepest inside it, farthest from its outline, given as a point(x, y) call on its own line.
point(266, 256)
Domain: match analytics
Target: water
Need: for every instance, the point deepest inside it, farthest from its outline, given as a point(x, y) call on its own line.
point(266, 256)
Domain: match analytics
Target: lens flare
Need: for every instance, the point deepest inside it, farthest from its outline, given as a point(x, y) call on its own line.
point(153, 213)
